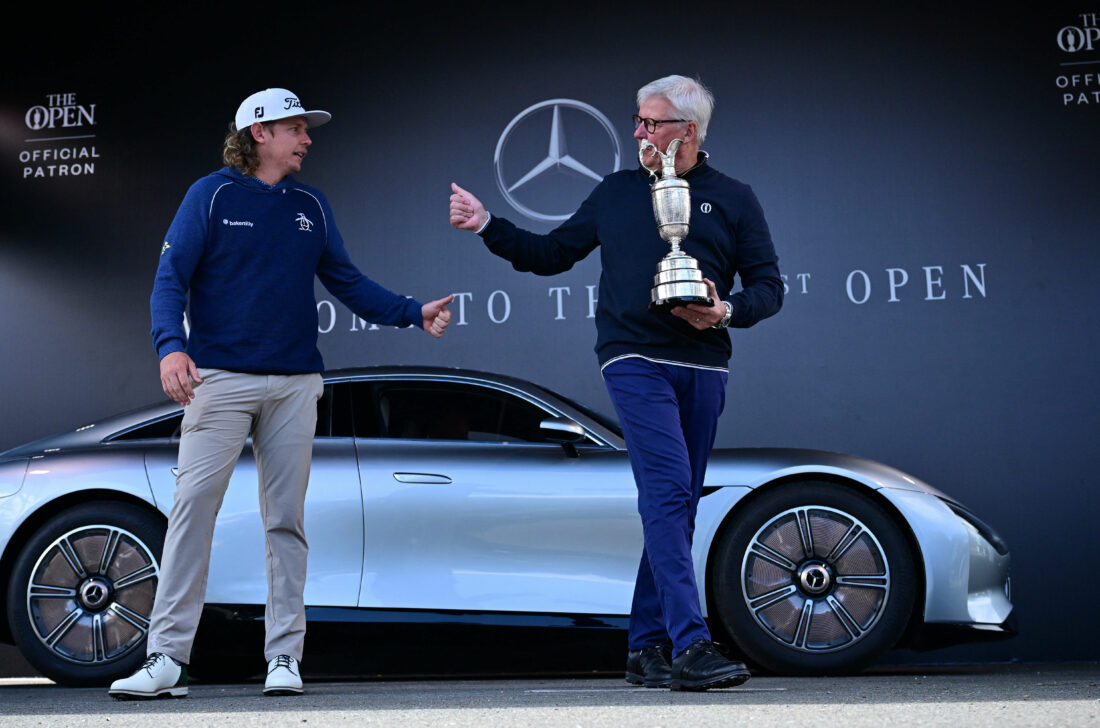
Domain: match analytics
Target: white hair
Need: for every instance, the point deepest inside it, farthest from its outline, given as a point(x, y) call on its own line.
point(690, 98)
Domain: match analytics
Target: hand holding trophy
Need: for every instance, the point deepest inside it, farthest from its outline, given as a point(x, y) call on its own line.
point(679, 281)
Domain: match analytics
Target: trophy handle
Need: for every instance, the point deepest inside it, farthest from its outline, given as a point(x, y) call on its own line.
point(668, 157)
point(670, 154)
point(641, 156)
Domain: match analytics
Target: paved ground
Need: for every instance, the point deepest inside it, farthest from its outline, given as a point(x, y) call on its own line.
point(1063, 695)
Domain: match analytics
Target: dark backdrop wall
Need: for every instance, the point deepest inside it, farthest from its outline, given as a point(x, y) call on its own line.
point(929, 173)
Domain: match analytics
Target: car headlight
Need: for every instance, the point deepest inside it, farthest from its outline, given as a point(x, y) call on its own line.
point(981, 526)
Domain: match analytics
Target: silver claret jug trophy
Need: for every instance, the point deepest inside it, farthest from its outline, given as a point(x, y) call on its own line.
point(678, 281)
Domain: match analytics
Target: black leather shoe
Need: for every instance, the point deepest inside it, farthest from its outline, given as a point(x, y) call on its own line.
point(702, 667)
point(648, 667)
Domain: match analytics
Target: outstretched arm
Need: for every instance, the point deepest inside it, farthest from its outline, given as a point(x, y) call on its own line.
point(544, 255)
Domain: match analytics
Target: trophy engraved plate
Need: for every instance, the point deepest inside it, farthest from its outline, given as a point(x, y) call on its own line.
point(678, 281)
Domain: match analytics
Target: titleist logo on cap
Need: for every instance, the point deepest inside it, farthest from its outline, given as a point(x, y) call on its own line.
point(273, 104)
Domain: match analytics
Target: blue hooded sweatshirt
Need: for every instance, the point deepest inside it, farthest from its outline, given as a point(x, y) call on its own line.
point(245, 253)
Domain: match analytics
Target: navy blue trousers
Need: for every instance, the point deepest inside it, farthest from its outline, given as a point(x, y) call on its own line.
point(669, 415)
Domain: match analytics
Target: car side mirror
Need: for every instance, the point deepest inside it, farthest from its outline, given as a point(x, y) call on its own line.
point(563, 430)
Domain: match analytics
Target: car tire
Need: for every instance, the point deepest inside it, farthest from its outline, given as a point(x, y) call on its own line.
point(81, 592)
point(813, 578)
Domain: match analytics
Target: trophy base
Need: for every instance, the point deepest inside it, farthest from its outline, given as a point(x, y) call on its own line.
point(663, 305)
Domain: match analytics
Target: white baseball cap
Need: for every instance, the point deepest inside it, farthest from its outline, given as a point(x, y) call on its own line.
point(273, 104)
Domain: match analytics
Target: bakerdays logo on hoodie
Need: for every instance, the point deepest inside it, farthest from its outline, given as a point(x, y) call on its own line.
point(236, 223)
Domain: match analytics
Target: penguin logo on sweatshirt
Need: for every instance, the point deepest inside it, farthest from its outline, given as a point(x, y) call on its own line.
point(304, 223)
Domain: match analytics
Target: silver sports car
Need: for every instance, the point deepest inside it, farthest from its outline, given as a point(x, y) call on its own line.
point(469, 501)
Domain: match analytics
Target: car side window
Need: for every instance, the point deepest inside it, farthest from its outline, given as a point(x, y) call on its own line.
point(162, 429)
point(334, 411)
point(364, 409)
point(445, 411)
point(333, 418)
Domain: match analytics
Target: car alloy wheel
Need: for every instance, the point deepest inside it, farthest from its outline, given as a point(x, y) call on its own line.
point(86, 597)
point(813, 578)
point(82, 592)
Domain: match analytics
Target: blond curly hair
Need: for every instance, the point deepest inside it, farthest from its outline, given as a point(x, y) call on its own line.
point(239, 149)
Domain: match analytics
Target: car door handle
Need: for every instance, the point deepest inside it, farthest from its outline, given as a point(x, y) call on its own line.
point(421, 478)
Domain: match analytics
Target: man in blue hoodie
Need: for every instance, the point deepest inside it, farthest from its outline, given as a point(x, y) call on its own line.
point(665, 371)
point(242, 252)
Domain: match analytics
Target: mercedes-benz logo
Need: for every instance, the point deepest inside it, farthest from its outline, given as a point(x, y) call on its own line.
point(94, 593)
point(525, 175)
point(815, 578)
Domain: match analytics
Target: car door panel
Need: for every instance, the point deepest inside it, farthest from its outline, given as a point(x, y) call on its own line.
point(334, 527)
point(518, 527)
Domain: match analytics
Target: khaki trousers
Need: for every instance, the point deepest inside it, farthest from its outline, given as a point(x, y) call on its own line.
point(280, 412)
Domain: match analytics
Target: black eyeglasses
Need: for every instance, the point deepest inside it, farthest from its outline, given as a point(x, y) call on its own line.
point(651, 124)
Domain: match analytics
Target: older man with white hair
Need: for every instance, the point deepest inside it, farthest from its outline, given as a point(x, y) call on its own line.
point(666, 372)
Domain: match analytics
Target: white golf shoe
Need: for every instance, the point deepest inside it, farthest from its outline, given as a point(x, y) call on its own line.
point(283, 677)
point(159, 677)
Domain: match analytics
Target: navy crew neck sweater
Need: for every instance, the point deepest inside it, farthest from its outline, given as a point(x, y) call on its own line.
point(728, 237)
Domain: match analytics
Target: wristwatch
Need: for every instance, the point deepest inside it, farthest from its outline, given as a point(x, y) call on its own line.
point(725, 319)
